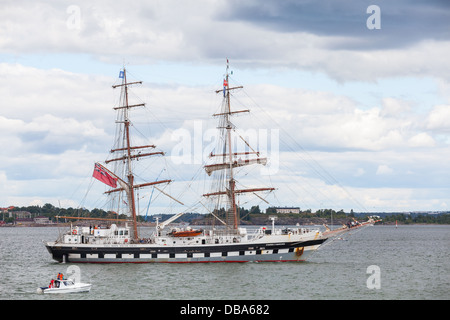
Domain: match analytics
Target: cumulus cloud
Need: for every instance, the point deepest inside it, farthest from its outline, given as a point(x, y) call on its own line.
point(422, 140)
point(439, 118)
point(329, 37)
point(45, 143)
point(322, 120)
point(28, 92)
point(50, 111)
point(384, 169)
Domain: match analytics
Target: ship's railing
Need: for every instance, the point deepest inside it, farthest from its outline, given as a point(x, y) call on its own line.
point(260, 232)
point(225, 232)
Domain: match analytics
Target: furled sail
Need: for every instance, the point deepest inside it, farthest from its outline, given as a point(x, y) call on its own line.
point(238, 163)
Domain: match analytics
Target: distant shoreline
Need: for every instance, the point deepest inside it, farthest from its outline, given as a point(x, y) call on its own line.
point(283, 222)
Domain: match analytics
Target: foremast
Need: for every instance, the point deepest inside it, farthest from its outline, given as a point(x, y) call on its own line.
point(228, 161)
point(126, 152)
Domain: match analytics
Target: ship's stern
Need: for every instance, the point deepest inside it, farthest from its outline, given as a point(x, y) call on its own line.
point(54, 252)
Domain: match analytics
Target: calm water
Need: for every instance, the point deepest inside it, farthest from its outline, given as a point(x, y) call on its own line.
point(414, 263)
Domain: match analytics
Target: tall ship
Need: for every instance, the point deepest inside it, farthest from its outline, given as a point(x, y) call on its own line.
point(225, 240)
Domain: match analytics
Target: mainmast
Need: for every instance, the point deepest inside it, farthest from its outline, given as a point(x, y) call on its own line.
point(232, 184)
point(228, 162)
point(127, 152)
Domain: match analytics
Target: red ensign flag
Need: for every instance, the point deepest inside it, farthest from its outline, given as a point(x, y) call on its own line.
point(103, 176)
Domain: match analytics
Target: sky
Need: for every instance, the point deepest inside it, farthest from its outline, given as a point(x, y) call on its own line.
point(350, 100)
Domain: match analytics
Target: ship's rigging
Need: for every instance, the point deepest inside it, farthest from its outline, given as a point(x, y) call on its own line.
point(122, 244)
point(226, 158)
point(125, 153)
point(224, 182)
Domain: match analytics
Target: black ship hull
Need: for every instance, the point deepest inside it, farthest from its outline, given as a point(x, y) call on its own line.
point(148, 253)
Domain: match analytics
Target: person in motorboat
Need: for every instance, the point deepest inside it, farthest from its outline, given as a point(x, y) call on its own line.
point(61, 285)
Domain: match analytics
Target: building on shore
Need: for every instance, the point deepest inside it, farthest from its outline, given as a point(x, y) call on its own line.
point(287, 209)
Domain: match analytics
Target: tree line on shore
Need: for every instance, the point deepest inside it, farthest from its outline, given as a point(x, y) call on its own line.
point(246, 215)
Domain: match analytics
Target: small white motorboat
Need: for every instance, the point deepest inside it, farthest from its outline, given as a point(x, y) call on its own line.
point(65, 286)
